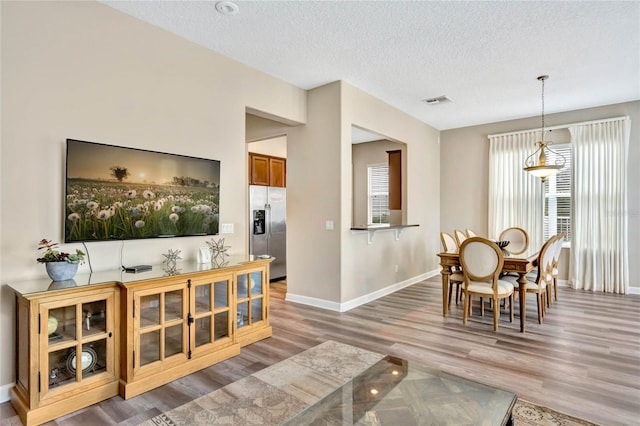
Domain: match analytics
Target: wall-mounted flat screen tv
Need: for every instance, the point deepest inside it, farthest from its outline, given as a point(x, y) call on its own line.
point(117, 193)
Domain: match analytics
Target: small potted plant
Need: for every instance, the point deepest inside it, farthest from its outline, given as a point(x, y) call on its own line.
point(60, 266)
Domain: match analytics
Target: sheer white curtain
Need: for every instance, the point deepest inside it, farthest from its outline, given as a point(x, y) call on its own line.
point(599, 260)
point(515, 197)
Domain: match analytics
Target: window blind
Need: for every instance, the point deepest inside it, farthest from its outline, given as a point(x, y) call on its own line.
point(557, 191)
point(378, 193)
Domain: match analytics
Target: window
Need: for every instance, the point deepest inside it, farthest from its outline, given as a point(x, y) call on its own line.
point(557, 197)
point(378, 188)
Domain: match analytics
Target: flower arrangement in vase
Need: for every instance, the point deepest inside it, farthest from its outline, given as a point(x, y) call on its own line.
point(60, 266)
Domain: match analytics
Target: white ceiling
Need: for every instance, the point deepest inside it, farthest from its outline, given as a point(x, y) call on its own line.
point(483, 55)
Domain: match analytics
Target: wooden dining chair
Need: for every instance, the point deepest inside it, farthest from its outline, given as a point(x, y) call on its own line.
point(543, 279)
point(456, 278)
point(460, 236)
point(482, 262)
point(518, 240)
point(554, 267)
point(552, 288)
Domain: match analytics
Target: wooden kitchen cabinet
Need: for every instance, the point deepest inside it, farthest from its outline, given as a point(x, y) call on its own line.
point(395, 179)
point(266, 170)
point(52, 328)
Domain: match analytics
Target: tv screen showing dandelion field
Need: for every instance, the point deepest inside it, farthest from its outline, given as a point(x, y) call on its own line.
point(115, 193)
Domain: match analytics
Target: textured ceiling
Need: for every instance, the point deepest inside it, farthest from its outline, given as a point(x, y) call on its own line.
point(484, 56)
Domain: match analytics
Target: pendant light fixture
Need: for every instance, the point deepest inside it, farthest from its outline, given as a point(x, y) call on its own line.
point(543, 168)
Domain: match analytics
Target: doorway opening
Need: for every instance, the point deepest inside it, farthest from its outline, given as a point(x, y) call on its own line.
point(267, 194)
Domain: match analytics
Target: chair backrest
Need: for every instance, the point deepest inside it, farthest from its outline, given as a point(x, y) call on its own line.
point(547, 258)
point(470, 233)
point(460, 236)
point(556, 249)
point(518, 239)
point(545, 261)
point(481, 260)
point(449, 244)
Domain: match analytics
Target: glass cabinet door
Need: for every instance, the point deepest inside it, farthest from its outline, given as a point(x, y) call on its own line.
point(77, 340)
point(250, 307)
point(161, 324)
point(211, 311)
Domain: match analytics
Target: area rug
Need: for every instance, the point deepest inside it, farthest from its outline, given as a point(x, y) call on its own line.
point(279, 392)
point(527, 414)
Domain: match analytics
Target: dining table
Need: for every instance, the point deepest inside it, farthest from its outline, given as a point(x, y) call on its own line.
point(520, 264)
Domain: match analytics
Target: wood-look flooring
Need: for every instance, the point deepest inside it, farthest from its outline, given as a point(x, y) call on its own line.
point(583, 360)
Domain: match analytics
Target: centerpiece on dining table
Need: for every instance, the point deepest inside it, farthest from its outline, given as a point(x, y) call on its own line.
point(502, 244)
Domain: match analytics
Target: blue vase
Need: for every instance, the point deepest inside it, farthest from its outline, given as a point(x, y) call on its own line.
point(61, 271)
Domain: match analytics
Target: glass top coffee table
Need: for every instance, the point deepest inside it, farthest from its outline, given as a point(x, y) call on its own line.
point(397, 392)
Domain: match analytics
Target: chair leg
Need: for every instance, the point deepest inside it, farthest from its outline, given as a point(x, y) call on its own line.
point(457, 293)
point(548, 294)
point(540, 302)
point(555, 288)
point(481, 307)
point(449, 301)
point(547, 299)
point(496, 313)
point(511, 307)
point(467, 307)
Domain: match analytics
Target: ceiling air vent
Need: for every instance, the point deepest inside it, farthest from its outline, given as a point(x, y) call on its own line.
point(435, 101)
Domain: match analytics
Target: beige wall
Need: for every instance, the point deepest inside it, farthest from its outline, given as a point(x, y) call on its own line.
point(415, 251)
point(83, 70)
point(313, 197)
point(276, 147)
point(465, 161)
point(337, 269)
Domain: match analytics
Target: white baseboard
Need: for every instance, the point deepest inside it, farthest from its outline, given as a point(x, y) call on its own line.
point(343, 307)
point(312, 301)
point(632, 290)
point(4, 392)
point(354, 303)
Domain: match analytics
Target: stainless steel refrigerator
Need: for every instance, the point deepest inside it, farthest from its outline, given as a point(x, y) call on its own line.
point(268, 226)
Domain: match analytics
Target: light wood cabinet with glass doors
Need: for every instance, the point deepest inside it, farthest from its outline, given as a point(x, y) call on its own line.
point(109, 332)
point(66, 347)
point(212, 312)
point(252, 303)
point(176, 326)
